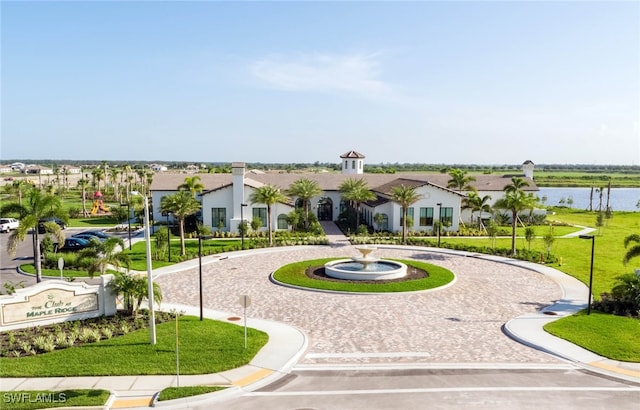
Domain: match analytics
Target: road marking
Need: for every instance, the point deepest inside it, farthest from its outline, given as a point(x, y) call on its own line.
point(137, 402)
point(615, 369)
point(445, 390)
point(252, 378)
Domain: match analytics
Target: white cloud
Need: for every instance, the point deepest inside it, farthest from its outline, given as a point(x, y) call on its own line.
point(353, 74)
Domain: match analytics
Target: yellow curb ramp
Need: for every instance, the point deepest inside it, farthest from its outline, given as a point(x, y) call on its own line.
point(615, 369)
point(252, 378)
point(126, 402)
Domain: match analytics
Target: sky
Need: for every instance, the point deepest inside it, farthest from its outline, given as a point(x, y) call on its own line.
point(449, 82)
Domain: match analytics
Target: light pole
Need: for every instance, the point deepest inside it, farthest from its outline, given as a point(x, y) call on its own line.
point(200, 238)
point(242, 225)
point(168, 234)
point(128, 205)
point(593, 246)
point(147, 238)
point(439, 204)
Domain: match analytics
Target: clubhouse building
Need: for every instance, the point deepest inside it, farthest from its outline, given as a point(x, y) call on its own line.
point(225, 198)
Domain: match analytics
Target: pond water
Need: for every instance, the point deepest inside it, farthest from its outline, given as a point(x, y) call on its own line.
point(621, 199)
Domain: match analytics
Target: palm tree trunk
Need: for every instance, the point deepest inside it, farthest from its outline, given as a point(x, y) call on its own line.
point(404, 225)
point(183, 250)
point(513, 232)
point(37, 260)
point(269, 225)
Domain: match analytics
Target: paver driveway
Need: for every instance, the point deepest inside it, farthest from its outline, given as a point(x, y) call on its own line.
point(458, 324)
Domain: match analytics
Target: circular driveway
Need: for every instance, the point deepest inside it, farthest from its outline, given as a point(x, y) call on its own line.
point(457, 324)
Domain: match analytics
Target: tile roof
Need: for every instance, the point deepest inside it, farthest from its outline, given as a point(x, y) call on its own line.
point(331, 181)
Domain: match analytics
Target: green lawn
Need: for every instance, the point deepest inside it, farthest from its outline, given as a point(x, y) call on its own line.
point(205, 347)
point(172, 393)
point(615, 337)
point(294, 274)
point(209, 247)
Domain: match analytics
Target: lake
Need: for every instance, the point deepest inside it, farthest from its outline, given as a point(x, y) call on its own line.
point(621, 199)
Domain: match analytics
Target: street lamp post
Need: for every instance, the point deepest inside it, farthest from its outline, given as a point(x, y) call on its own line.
point(168, 235)
point(439, 220)
point(128, 205)
point(242, 225)
point(200, 238)
point(147, 237)
point(593, 245)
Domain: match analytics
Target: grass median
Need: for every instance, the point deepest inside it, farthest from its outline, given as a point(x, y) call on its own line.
point(294, 274)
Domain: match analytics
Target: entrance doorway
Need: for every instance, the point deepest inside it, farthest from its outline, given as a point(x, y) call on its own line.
point(325, 209)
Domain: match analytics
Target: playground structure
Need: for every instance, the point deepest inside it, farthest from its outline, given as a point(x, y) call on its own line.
point(98, 206)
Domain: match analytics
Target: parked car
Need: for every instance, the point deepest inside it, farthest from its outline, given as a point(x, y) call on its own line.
point(98, 234)
point(73, 245)
point(8, 224)
point(88, 237)
point(41, 223)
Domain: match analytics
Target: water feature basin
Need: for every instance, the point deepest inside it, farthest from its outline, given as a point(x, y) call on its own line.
point(365, 267)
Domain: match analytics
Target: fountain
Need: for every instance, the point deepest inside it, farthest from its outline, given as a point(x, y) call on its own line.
point(365, 267)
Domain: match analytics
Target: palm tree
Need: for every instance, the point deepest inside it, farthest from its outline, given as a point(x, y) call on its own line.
point(133, 288)
point(477, 204)
point(98, 175)
point(18, 187)
point(305, 189)
point(98, 257)
point(192, 184)
point(38, 205)
point(83, 184)
point(515, 200)
point(182, 205)
point(405, 196)
point(633, 251)
point(356, 191)
point(268, 195)
point(460, 181)
point(113, 177)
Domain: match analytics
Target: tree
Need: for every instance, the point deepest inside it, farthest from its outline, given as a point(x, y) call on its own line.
point(100, 255)
point(268, 195)
point(83, 184)
point(633, 251)
point(181, 204)
point(38, 206)
point(476, 203)
point(405, 196)
point(305, 189)
point(134, 290)
point(515, 200)
point(529, 235)
point(549, 238)
point(356, 191)
point(460, 181)
point(192, 184)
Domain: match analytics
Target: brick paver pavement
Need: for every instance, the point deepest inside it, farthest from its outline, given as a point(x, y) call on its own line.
point(458, 324)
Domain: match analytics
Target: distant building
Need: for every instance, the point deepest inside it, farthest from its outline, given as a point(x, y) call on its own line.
point(37, 170)
point(158, 168)
point(223, 195)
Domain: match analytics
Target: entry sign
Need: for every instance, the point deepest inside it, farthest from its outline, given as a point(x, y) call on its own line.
point(245, 301)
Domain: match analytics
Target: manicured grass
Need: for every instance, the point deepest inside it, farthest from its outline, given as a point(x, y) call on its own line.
point(67, 273)
point(615, 337)
point(46, 399)
point(294, 274)
point(209, 247)
point(172, 393)
point(205, 347)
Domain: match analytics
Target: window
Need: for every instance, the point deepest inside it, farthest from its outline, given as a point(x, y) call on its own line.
point(446, 216)
point(353, 164)
point(409, 217)
point(219, 218)
point(282, 222)
point(262, 214)
point(383, 222)
point(426, 216)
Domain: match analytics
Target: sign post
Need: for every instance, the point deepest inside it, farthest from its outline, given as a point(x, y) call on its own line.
point(245, 301)
point(60, 266)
